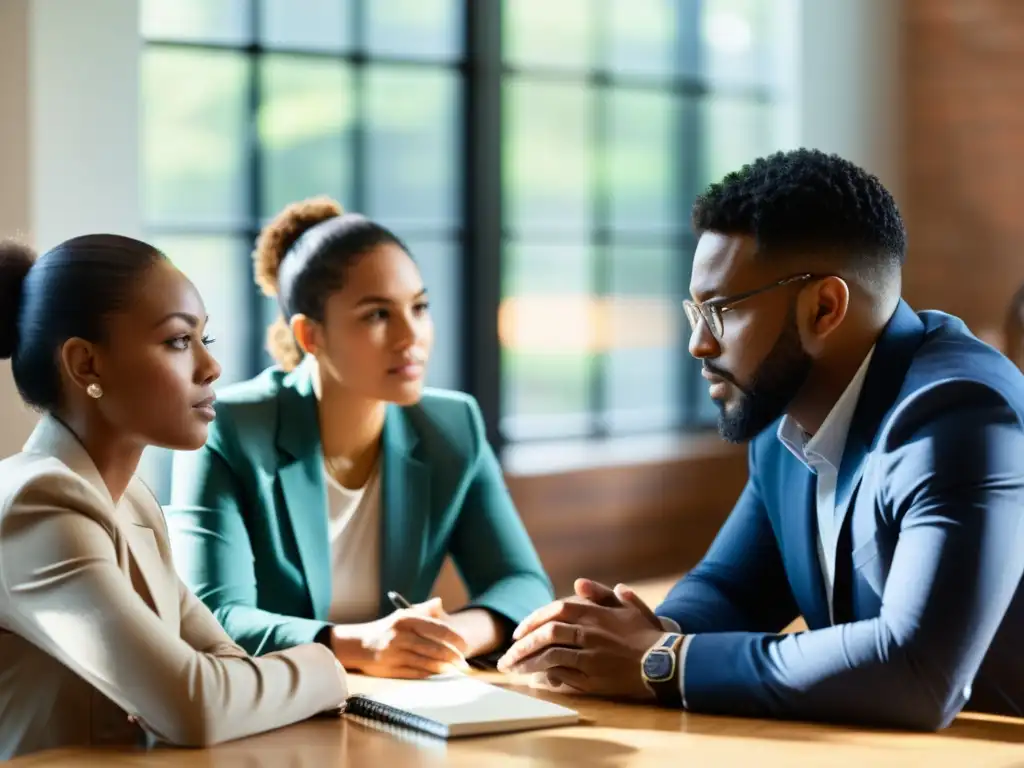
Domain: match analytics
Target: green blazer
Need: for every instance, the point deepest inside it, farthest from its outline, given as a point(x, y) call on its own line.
point(248, 513)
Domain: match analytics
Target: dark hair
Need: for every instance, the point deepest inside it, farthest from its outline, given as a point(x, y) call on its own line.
point(65, 293)
point(808, 202)
point(1013, 328)
point(320, 242)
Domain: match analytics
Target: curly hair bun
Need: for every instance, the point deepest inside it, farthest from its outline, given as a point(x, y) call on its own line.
point(282, 232)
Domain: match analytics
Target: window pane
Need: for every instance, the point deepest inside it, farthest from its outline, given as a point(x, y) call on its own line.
point(268, 316)
point(548, 172)
point(194, 122)
point(439, 262)
point(207, 21)
point(646, 326)
point(219, 268)
point(644, 138)
point(313, 24)
point(736, 38)
point(414, 28)
point(413, 157)
point(305, 124)
point(735, 132)
point(155, 471)
point(642, 37)
point(554, 33)
point(547, 329)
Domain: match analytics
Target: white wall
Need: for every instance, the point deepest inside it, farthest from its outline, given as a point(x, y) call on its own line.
point(68, 135)
point(84, 71)
point(847, 82)
point(16, 184)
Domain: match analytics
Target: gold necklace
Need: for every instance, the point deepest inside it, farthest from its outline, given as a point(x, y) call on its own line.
point(337, 464)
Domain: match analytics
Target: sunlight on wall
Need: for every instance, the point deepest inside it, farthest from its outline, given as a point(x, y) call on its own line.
point(574, 324)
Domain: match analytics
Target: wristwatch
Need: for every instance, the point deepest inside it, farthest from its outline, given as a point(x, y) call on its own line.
point(660, 670)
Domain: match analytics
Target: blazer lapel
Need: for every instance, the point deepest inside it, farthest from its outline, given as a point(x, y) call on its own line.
point(146, 566)
point(301, 475)
point(894, 352)
point(803, 531)
point(405, 500)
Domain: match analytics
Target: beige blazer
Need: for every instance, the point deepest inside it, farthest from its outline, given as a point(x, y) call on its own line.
point(95, 625)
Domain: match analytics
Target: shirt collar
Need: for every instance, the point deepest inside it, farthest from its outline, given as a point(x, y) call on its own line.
point(828, 443)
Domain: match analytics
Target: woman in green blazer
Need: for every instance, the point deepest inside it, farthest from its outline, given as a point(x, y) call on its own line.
point(334, 477)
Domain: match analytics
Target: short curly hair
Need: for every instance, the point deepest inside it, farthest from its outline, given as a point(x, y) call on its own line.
point(807, 202)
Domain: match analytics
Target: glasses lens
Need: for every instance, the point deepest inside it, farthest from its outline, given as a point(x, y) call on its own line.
point(698, 313)
point(714, 318)
point(692, 314)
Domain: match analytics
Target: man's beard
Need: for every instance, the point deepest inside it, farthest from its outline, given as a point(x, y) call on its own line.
point(772, 388)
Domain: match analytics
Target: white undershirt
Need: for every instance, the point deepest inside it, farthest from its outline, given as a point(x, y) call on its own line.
point(353, 527)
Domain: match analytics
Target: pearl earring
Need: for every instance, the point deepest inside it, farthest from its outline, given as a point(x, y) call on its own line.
point(94, 391)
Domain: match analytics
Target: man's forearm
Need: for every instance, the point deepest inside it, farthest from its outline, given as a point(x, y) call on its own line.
point(852, 673)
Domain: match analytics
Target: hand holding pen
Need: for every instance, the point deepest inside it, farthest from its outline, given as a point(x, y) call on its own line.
point(402, 604)
point(411, 643)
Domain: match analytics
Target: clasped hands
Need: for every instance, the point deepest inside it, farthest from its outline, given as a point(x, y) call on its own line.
point(591, 643)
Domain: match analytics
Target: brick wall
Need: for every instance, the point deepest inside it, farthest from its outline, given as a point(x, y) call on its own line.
point(964, 156)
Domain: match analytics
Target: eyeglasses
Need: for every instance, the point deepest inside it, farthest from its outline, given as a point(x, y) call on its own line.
point(711, 311)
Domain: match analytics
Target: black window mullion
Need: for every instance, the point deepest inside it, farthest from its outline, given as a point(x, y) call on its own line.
point(254, 152)
point(305, 53)
point(482, 242)
point(688, 180)
point(358, 148)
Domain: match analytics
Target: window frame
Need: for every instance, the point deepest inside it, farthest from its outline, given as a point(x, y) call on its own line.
point(481, 237)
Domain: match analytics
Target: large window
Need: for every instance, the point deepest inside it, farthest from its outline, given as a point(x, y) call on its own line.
point(617, 112)
point(556, 272)
point(248, 106)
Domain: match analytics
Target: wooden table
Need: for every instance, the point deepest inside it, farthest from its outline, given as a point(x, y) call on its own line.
point(612, 736)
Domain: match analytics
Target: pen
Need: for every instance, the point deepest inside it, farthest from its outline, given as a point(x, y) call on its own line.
point(401, 603)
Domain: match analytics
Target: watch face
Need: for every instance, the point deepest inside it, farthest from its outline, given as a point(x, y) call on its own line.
point(658, 665)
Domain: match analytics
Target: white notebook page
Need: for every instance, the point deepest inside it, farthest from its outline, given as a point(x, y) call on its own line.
point(467, 706)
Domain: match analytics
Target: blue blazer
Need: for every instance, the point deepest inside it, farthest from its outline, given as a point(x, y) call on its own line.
point(929, 614)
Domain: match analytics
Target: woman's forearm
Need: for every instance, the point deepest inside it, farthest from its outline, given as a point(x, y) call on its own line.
point(347, 642)
point(482, 630)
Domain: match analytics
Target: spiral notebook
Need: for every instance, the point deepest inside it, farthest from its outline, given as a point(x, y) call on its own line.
point(448, 706)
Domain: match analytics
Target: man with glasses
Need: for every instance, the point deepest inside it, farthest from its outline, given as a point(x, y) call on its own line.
point(885, 500)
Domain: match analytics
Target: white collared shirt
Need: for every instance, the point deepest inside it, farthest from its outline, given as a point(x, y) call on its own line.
point(822, 453)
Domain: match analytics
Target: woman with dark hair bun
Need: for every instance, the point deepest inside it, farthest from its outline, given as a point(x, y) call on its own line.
point(335, 478)
point(100, 642)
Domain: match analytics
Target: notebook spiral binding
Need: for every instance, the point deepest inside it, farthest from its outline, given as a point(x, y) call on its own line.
point(374, 710)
